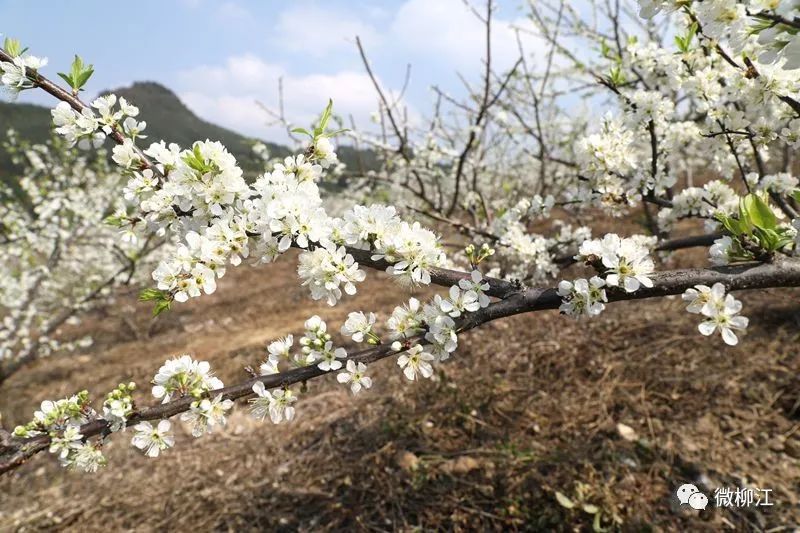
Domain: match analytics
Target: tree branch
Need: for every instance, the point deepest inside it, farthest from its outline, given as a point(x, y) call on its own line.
point(782, 273)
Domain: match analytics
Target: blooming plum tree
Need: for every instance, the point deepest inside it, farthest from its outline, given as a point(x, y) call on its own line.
point(721, 100)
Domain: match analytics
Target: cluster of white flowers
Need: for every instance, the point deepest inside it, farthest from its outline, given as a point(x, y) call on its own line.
point(740, 24)
point(603, 158)
point(317, 346)
point(220, 219)
point(55, 250)
point(87, 130)
point(780, 183)
point(184, 376)
point(436, 320)
point(413, 252)
point(582, 297)
point(720, 310)
point(15, 74)
point(701, 202)
point(277, 404)
point(61, 420)
point(412, 249)
point(206, 414)
point(623, 262)
point(407, 320)
point(326, 270)
point(118, 406)
point(534, 257)
point(694, 110)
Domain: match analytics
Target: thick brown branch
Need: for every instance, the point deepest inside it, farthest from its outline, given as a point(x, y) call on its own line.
point(782, 273)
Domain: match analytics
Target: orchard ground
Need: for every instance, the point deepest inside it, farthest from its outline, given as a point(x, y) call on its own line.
point(527, 407)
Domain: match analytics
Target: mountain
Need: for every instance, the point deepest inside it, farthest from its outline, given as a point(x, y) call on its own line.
point(167, 118)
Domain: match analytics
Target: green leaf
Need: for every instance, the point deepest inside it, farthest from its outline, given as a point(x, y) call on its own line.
point(767, 238)
point(617, 77)
point(334, 133)
point(730, 223)
point(113, 220)
point(591, 509)
point(564, 501)
point(163, 299)
point(796, 195)
point(323, 120)
point(302, 131)
point(745, 224)
point(79, 74)
point(12, 46)
point(605, 51)
point(149, 295)
point(66, 78)
point(160, 307)
point(84, 76)
point(761, 214)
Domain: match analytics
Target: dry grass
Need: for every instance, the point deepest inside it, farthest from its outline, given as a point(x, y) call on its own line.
point(528, 406)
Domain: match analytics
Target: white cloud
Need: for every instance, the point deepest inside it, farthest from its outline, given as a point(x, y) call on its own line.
point(227, 95)
point(437, 37)
point(449, 32)
point(444, 32)
point(320, 31)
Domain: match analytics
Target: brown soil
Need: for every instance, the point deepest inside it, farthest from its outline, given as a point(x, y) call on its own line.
point(528, 406)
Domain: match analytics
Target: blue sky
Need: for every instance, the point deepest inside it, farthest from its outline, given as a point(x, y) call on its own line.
point(220, 57)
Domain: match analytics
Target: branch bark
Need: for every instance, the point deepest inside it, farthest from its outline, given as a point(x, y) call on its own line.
point(781, 273)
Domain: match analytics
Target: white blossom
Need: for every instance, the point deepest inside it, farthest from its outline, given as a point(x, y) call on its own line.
point(277, 404)
point(720, 310)
point(204, 415)
point(355, 376)
point(477, 285)
point(359, 325)
point(153, 440)
point(184, 376)
point(415, 361)
point(582, 297)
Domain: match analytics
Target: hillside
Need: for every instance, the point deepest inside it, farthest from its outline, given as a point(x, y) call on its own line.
point(167, 118)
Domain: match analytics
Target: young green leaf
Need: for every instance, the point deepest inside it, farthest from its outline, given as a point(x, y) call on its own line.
point(745, 223)
point(323, 120)
point(150, 295)
point(160, 307)
point(12, 47)
point(162, 298)
point(79, 74)
point(334, 133)
point(731, 224)
point(760, 214)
